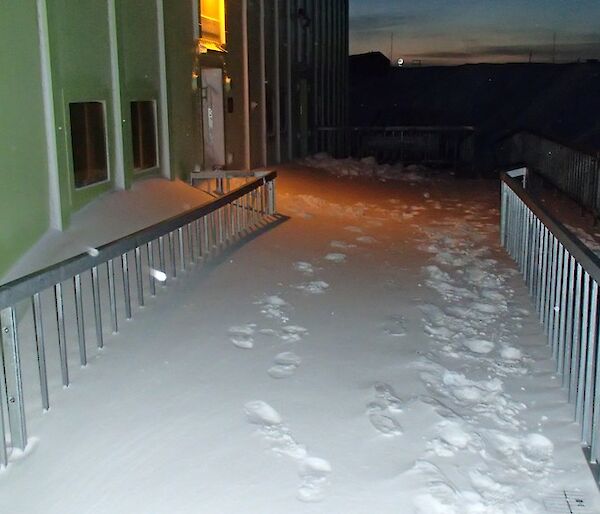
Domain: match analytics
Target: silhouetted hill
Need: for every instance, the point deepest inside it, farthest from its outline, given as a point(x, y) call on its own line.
point(558, 100)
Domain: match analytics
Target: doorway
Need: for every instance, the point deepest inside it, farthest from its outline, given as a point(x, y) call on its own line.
point(213, 118)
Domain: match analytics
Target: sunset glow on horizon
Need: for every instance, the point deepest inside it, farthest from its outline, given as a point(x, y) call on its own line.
point(468, 31)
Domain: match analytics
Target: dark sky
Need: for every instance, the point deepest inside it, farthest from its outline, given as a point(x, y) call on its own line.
point(460, 31)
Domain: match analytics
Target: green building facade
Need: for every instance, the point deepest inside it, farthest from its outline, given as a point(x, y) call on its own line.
point(97, 94)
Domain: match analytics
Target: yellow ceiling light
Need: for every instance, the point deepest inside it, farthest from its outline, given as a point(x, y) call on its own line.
point(212, 20)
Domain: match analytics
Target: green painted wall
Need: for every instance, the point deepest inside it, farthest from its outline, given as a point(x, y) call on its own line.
point(138, 48)
point(23, 161)
point(255, 86)
point(81, 71)
point(185, 110)
point(236, 130)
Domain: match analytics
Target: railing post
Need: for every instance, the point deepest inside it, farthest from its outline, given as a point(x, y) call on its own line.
point(3, 454)
point(12, 383)
point(271, 194)
point(503, 213)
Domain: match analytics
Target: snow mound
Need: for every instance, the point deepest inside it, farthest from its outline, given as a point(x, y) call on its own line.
point(367, 167)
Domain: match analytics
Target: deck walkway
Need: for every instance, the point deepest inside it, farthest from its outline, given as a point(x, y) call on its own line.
point(375, 353)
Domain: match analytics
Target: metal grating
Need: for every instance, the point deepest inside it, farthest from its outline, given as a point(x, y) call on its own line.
point(566, 502)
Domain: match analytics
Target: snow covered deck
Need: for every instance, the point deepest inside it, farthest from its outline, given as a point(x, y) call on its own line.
point(113, 215)
point(375, 353)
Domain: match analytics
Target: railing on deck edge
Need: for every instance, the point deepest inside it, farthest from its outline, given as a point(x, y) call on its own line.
point(563, 276)
point(188, 237)
point(575, 171)
point(429, 145)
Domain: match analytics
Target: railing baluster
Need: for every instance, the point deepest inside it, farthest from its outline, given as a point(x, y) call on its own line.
point(97, 307)
point(569, 328)
point(206, 236)
point(191, 232)
point(221, 222)
point(213, 231)
point(152, 268)
point(12, 383)
point(171, 241)
point(583, 347)
point(161, 256)
point(542, 305)
point(40, 346)
point(126, 284)
point(181, 248)
point(77, 293)
point(271, 188)
point(576, 335)
point(112, 295)
point(595, 443)
point(553, 289)
point(590, 370)
point(3, 400)
point(540, 266)
point(238, 218)
point(560, 342)
point(62, 339)
point(139, 276)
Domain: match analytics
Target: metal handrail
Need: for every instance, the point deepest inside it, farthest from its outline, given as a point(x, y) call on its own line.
point(425, 144)
point(416, 128)
point(563, 276)
point(552, 139)
point(586, 257)
point(574, 170)
point(176, 241)
point(24, 287)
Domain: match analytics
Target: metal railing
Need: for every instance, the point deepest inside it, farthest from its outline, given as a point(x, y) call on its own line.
point(574, 171)
point(438, 146)
point(153, 255)
point(563, 276)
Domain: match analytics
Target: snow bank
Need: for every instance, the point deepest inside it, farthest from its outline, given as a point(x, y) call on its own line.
point(367, 167)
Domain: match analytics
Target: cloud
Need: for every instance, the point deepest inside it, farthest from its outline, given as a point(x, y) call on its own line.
point(380, 22)
point(570, 51)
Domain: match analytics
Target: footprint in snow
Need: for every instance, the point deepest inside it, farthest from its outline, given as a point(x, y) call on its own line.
point(395, 326)
point(352, 228)
point(382, 420)
point(480, 346)
point(366, 239)
point(510, 353)
point(285, 366)
point(385, 393)
point(274, 307)
point(304, 267)
point(453, 437)
point(313, 471)
point(241, 336)
point(531, 453)
point(262, 414)
point(268, 332)
point(336, 257)
point(292, 333)
point(315, 287)
point(341, 245)
point(381, 412)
